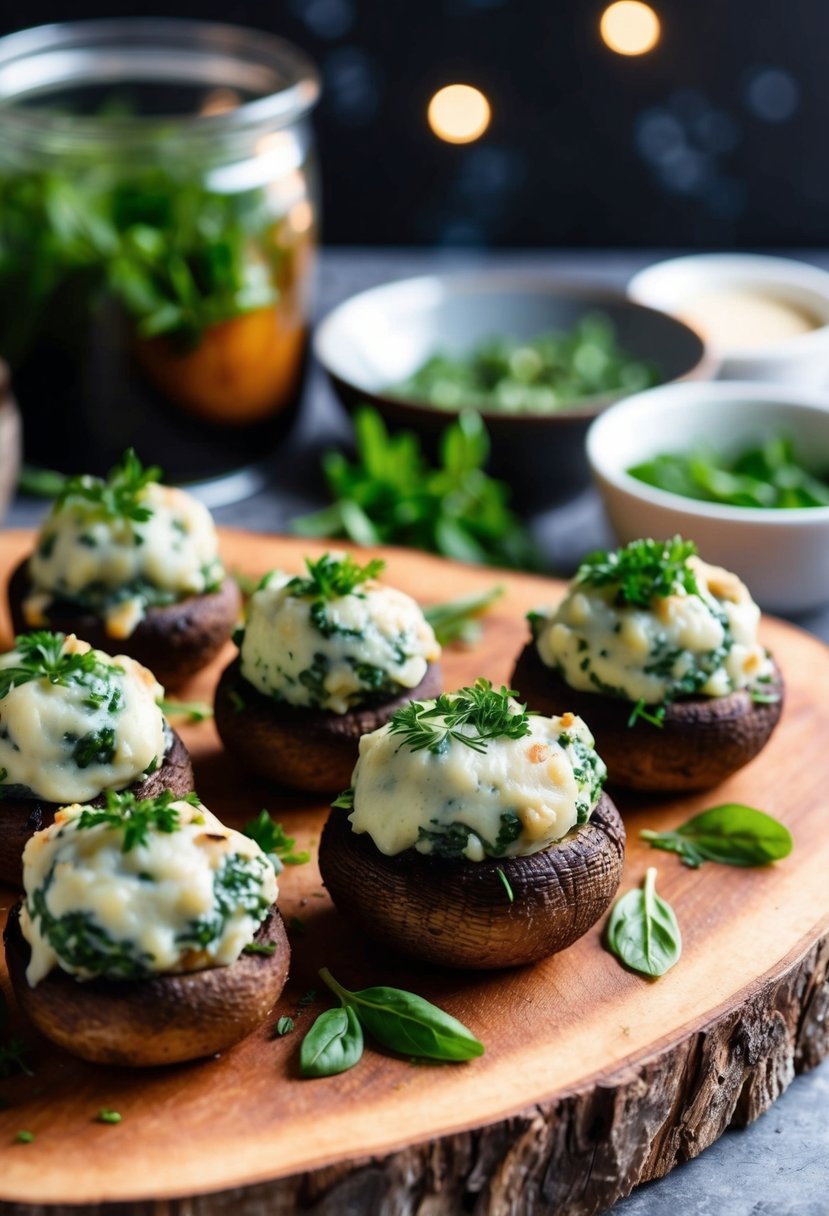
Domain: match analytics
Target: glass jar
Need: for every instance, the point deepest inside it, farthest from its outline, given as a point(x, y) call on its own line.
point(158, 217)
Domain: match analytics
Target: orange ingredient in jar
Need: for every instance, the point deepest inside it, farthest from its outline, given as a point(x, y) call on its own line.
point(242, 371)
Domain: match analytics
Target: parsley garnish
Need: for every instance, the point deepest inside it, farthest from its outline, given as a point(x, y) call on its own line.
point(136, 818)
point(642, 571)
point(105, 1115)
point(117, 497)
point(332, 577)
point(472, 716)
point(274, 842)
point(42, 657)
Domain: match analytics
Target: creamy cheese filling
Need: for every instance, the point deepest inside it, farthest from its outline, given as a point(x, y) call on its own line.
point(515, 797)
point(181, 900)
point(119, 566)
point(79, 723)
point(335, 653)
point(683, 644)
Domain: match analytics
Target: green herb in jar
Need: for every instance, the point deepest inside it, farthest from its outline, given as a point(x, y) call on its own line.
point(539, 375)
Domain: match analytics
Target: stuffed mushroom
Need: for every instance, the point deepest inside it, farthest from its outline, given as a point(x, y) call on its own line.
point(75, 723)
point(131, 561)
point(475, 834)
point(148, 933)
point(324, 658)
point(659, 651)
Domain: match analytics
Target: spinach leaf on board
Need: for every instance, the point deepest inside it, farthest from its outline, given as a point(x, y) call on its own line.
point(732, 834)
point(643, 931)
point(333, 1044)
point(407, 1023)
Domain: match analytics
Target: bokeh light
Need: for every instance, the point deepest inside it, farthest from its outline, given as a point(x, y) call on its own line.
point(630, 27)
point(459, 113)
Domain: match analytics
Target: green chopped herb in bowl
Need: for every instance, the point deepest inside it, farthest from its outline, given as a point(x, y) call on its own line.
point(555, 370)
point(771, 473)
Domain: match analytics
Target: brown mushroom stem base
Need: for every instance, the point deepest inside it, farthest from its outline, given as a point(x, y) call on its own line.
point(163, 1020)
point(701, 742)
point(458, 913)
point(20, 818)
point(173, 640)
point(306, 749)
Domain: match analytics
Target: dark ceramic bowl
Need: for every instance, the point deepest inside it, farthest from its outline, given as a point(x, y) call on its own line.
point(380, 337)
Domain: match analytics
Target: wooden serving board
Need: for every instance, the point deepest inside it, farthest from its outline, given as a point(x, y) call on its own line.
point(594, 1079)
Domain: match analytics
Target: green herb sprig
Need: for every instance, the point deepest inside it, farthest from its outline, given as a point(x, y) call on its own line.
point(117, 497)
point(136, 818)
point(391, 495)
point(768, 474)
point(275, 842)
point(42, 657)
point(643, 931)
point(472, 716)
point(193, 711)
point(398, 1020)
point(458, 620)
point(732, 834)
point(642, 571)
point(331, 577)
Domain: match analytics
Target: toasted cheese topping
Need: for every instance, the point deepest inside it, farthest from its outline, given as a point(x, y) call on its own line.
point(74, 721)
point(117, 565)
point(682, 644)
point(335, 653)
point(513, 797)
point(181, 899)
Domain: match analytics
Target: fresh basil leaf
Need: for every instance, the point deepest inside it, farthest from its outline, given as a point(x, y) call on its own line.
point(407, 1023)
point(643, 931)
point(732, 834)
point(333, 1044)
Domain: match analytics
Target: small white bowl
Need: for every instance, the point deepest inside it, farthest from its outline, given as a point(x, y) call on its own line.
point(801, 359)
point(781, 555)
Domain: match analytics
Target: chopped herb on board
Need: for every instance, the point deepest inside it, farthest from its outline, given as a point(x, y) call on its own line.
point(24, 1137)
point(105, 1115)
point(274, 842)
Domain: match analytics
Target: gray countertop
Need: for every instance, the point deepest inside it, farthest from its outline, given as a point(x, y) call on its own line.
point(780, 1165)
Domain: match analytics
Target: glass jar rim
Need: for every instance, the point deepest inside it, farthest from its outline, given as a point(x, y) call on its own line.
point(45, 58)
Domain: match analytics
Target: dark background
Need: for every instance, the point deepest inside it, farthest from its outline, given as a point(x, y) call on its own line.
point(715, 138)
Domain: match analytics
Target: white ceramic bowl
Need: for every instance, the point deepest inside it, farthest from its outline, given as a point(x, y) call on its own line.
point(802, 359)
point(782, 555)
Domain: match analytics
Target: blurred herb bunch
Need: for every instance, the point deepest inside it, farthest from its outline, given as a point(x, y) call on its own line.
point(391, 495)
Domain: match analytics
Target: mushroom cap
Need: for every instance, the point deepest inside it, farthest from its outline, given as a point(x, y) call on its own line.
point(307, 749)
point(458, 913)
point(173, 640)
point(162, 1020)
point(20, 818)
point(701, 742)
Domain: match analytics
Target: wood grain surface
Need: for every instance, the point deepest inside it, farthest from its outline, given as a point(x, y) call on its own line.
point(594, 1079)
